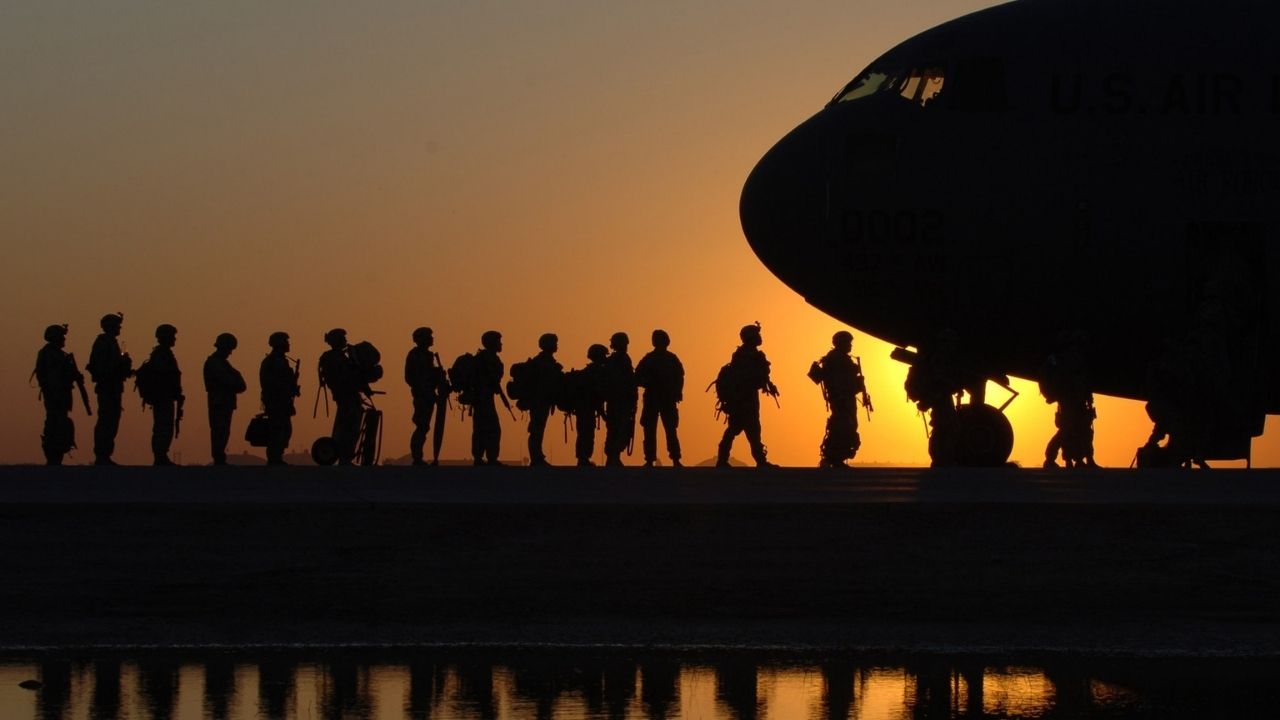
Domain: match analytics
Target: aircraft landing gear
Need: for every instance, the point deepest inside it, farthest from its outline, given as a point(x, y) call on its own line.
point(976, 435)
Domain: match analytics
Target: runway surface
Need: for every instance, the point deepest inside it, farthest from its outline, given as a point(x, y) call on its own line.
point(1111, 561)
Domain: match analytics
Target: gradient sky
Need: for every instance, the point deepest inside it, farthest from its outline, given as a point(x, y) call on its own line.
point(559, 166)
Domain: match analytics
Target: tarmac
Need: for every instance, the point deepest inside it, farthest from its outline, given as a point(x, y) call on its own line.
point(1115, 562)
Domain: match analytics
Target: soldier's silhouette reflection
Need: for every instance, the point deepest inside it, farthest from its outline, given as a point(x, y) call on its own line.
point(932, 686)
point(426, 688)
point(736, 689)
point(158, 686)
point(475, 689)
point(540, 685)
point(275, 687)
point(105, 703)
point(219, 688)
point(659, 687)
point(55, 696)
point(347, 692)
point(837, 689)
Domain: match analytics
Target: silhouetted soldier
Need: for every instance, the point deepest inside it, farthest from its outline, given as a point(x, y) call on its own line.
point(621, 399)
point(340, 374)
point(486, 430)
point(56, 373)
point(749, 371)
point(546, 376)
point(936, 377)
point(842, 382)
point(109, 368)
point(585, 389)
point(427, 383)
point(166, 398)
point(662, 377)
point(222, 382)
point(1064, 381)
point(279, 383)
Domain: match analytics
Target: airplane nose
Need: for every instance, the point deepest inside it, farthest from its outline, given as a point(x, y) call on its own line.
point(784, 204)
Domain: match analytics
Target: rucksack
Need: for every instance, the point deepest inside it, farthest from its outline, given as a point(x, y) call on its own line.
point(462, 376)
point(731, 387)
point(521, 385)
point(367, 359)
point(577, 394)
point(146, 380)
point(817, 373)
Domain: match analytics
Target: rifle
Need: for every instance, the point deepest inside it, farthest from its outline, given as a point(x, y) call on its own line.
point(442, 410)
point(177, 418)
point(866, 396)
point(772, 391)
point(84, 394)
point(506, 402)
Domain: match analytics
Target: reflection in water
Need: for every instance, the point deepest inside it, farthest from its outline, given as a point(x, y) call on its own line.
point(577, 685)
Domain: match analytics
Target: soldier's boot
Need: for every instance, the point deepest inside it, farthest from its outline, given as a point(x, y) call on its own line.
point(722, 452)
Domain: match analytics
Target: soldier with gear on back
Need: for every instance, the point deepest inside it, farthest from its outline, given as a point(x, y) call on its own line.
point(748, 375)
point(56, 374)
point(1063, 380)
point(222, 383)
point(428, 384)
point(546, 377)
point(279, 383)
point(621, 399)
point(661, 375)
point(341, 375)
point(165, 394)
point(486, 429)
point(842, 381)
point(585, 391)
point(109, 368)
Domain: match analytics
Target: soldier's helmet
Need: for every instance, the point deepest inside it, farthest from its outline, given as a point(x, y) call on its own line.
point(336, 335)
point(619, 341)
point(549, 342)
point(490, 339)
point(55, 332)
point(597, 352)
point(278, 340)
point(166, 331)
point(111, 320)
point(842, 337)
point(422, 334)
point(661, 339)
point(750, 334)
point(226, 341)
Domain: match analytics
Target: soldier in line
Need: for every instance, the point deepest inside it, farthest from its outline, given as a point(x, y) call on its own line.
point(546, 375)
point(486, 430)
point(585, 389)
point(56, 373)
point(109, 368)
point(340, 374)
point(428, 385)
point(748, 377)
point(279, 384)
point(222, 382)
point(621, 399)
point(662, 377)
point(938, 374)
point(1063, 380)
point(165, 394)
point(842, 382)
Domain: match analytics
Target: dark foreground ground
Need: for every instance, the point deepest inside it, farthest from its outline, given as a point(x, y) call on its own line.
point(1150, 563)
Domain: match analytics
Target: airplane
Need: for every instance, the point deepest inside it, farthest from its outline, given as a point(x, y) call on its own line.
point(1102, 167)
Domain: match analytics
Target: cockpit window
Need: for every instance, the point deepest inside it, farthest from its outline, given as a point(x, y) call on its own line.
point(916, 85)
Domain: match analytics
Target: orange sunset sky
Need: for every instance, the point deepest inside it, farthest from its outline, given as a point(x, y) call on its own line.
point(559, 166)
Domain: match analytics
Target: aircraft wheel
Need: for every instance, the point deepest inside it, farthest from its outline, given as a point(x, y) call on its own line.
point(984, 436)
point(324, 451)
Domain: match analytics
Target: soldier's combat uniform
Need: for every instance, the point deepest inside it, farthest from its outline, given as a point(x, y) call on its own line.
point(486, 430)
point(661, 375)
point(279, 384)
point(166, 398)
point(56, 373)
point(1063, 380)
point(585, 390)
point(842, 381)
point(427, 383)
point(222, 383)
point(109, 369)
point(341, 375)
point(749, 370)
point(621, 399)
point(546, 375)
